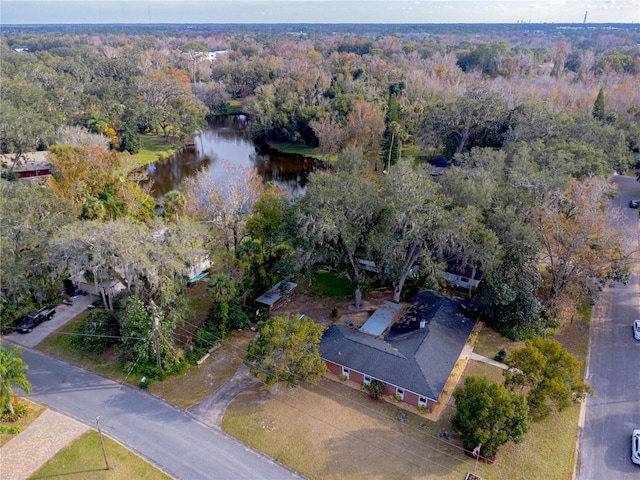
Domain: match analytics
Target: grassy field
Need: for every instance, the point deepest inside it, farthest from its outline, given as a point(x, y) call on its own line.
point(84, 460)
point(153, 147)
point(34, 412)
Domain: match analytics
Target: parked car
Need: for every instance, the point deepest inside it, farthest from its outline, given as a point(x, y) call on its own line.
point(634, 203)
point(635, 447)
point(33, 319)
point(636, 329)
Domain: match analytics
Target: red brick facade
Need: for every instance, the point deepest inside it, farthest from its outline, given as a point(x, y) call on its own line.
point(389, 389)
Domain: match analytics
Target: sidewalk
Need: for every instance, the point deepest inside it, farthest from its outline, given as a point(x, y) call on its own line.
point(39, 442)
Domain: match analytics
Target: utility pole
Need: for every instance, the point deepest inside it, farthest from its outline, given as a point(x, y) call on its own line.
point(156, 338)
point(104, 452)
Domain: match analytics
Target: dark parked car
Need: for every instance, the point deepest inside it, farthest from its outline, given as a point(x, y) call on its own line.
point(634, 204)
point(33, 319)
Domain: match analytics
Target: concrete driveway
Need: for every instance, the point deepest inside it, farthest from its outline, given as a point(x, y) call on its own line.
point(64, 313)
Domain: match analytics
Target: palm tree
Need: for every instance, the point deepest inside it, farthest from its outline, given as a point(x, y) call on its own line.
point(174, 203)
point(12, 372)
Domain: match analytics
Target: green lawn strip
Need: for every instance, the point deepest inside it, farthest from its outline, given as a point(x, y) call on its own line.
point(58, 344)
point(153, 147)
point(83, 460)
point(331, 284)
point(297, 149)
point(33, 413)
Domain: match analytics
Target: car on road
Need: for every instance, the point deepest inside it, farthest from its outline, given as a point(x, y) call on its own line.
point(634, 203)
point(635, 447)
point(636, 329)
point(33, 319)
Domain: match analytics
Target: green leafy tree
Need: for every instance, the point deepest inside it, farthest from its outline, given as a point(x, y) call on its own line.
point(552, 376)
point(488, 414)
point(337, 216)
point(287, 350)
point(416, 226)
point(31, 217)
point(129, 141)
point(223, 290)
point(598, 106)
point(136, 328)
point(12, 372)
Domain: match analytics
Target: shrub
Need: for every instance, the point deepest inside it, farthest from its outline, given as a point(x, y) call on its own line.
point(375, 389)
point(500, 356)
point(19, 410)
point(334, 312)
point(4, 429)
point(423, 409)
point(343, 378)
point(15, 430)
point(97, 332)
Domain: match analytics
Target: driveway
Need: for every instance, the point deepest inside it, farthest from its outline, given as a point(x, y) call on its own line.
point(613, 370)
point(211, 410)
point(64, 313)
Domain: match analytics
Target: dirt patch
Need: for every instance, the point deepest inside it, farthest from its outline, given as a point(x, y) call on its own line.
point(320, 308)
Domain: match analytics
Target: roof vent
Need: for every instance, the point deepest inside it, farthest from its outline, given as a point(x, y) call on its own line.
point(423, 323)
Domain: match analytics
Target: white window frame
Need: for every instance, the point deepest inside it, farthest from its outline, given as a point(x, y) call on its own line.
point(400, 393)
point(345, 372)
point(367, 380)
point(422, 401)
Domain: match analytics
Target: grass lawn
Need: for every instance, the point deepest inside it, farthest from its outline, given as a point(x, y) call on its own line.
point(152, 147)
point(331, 284)
point(297, 149)
point(34, 412)
point(84, 460)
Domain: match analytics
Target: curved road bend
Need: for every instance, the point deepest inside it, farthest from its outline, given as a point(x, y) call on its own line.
point(613, 370)
point(165, 435)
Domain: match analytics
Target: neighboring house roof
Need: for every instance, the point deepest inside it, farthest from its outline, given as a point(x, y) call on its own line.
point(456, 267)
point(417, 359)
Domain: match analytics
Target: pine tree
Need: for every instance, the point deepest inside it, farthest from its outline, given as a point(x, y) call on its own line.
point(598, 106)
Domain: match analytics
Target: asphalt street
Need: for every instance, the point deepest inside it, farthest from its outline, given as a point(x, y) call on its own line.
point(168, 437)
point(613, 411)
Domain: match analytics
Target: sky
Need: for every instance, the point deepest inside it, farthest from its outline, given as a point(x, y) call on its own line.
point(317, 11)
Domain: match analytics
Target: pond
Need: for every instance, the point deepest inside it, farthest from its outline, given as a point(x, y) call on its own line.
point(227, 139)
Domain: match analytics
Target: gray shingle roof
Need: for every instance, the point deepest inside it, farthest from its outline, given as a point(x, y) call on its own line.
point(417, 359)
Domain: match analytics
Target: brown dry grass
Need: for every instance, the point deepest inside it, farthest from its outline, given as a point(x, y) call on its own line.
point(337, 432)
point(198, 382)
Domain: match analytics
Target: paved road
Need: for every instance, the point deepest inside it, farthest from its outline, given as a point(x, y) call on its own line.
point(614, 372)
point(166, 436)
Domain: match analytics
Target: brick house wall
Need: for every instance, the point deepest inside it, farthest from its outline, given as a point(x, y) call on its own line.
point(409, 397)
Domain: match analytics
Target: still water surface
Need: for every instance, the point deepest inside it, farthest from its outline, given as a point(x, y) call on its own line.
point(227, 138)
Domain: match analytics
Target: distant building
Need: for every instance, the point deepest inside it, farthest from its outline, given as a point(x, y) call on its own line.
point(32, 169)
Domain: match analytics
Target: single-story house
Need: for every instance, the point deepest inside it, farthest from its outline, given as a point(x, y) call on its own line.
point(32, 169)
point(415, 358)
point(461, 276)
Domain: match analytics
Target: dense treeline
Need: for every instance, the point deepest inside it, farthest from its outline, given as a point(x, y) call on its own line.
point(533, 125)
